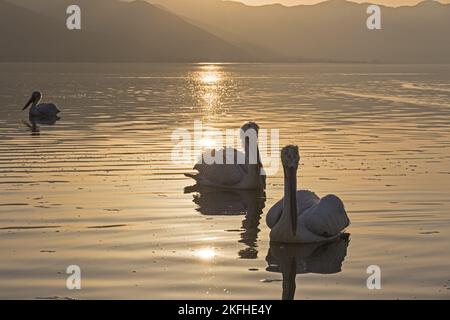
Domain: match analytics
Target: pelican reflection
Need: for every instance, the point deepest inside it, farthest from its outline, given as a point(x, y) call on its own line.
point(34, 124)
point(218, 202)
point(317, 258)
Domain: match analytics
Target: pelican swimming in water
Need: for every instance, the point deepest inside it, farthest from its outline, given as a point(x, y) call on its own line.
point(40, 110)
point(244, 174)
point(302, 217)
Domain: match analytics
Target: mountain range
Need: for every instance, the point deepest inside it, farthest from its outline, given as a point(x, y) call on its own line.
point(112, 31)
point(216, 30)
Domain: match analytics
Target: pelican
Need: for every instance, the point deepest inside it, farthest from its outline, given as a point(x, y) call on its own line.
point(302, 217)
point(241, 175)
point(41, 110)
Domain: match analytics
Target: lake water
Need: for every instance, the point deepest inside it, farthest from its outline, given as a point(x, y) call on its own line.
point(98, 188)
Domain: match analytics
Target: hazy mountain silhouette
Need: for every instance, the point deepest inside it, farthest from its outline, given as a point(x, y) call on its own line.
point(111, 31)
point(333, 30)
point(216, 30)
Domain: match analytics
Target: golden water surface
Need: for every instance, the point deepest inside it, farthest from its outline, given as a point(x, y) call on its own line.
point(98, 188)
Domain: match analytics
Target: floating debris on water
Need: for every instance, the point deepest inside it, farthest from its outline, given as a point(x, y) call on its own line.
point(55, 298)
point(108, 226)
point(271, 280)
point(430, 232)
point(29, 228)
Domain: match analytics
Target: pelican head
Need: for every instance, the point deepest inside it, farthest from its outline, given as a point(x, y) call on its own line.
point(290, 157)
point(249, 137)
point(250, 125)
point(35, 98)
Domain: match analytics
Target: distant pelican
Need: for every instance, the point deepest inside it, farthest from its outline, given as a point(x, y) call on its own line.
point(302, 217)
point(41, 110)
point(242, 175)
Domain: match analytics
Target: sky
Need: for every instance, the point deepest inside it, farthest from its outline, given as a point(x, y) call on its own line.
point(294, 2)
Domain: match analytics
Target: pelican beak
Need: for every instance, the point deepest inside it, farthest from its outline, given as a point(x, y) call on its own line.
point(28, 103)
point(292, 174)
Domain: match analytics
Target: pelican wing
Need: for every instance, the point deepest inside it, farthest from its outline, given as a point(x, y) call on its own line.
point(274, 214)
point(224, 172)
point(305, 200)
point(327, 218)
point(220, 174)
point(47, 109)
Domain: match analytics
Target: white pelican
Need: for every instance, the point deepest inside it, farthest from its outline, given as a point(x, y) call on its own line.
point(41, 110)
point(241, 174)
point(302, 217)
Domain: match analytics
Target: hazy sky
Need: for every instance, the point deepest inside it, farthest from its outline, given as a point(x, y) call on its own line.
point(293, 2)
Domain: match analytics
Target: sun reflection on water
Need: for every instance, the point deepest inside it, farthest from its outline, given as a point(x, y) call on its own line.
point(210, 74)
point(211, 86)
point(206, 254)
point(210, 77)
